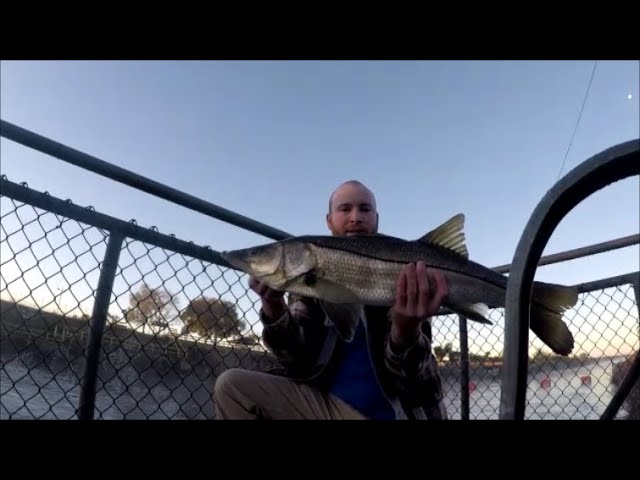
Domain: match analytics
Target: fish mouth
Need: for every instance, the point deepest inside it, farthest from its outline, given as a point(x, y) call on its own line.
point(233, 259)
point(238, 260)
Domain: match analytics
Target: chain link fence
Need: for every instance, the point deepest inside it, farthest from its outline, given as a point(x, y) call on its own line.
point(176, 320)
point(579, 386)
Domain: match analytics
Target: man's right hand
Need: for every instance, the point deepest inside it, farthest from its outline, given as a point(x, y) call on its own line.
point(273, 304)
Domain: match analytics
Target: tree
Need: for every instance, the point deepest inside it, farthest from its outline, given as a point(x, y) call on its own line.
point(441, 352)
point(212, 317)
point(150, 306)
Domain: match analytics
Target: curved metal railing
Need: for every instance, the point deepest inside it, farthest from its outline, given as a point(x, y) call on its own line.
point(611, 165)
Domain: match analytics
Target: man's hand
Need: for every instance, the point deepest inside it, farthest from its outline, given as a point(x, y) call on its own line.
point(273, 304)
point(419, 294)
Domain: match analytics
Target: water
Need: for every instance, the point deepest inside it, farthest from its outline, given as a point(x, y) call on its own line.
point(31, 389)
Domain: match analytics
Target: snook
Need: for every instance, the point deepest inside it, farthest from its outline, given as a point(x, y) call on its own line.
point(363, 270)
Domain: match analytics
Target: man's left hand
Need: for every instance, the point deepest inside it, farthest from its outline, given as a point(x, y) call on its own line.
point(419, 295)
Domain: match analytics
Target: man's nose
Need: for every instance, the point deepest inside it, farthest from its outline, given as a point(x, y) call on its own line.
point(355, 216)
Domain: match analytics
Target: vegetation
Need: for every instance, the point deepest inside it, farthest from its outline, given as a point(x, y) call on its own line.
point(149, 306)
point(212, 318)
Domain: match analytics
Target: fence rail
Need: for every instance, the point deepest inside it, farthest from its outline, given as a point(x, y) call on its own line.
point(168, 316)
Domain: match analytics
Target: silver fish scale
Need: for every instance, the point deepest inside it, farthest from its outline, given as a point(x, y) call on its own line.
point(390, 249)
point(387, 250)
point(371, 281)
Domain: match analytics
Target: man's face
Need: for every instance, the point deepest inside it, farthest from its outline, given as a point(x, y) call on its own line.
point(353, 211)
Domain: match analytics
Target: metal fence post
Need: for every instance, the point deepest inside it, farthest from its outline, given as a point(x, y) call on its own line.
point(626, 385)
point(636, 289)
point(632, 375)
point(464, 365)
point(97, 324)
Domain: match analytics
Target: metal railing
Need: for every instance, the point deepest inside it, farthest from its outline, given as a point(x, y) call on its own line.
point(607, 167)
point(147, 350)
point(75, 157)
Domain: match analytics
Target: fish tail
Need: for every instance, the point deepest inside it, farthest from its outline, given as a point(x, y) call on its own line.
point(549, 302)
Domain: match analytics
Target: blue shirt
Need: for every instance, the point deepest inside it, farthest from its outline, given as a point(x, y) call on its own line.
point(355, 382)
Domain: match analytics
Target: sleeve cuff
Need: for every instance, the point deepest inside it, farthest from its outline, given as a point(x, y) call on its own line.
point(406, 361)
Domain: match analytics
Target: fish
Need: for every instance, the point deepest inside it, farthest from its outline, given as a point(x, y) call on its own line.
point(363, 269)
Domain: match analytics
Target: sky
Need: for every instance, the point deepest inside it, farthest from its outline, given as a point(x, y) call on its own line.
point(271, 140)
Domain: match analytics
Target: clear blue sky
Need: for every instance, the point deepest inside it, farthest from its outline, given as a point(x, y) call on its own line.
point(271, 140)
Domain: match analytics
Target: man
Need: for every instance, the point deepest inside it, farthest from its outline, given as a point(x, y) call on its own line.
point(387, 371)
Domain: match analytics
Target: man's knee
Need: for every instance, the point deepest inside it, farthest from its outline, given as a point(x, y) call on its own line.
point(229, 381)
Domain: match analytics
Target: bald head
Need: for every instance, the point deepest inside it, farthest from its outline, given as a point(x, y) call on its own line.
point(350, 186)
point(352, 210)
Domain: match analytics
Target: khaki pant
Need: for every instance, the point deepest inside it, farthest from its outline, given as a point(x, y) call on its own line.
point(249, 395)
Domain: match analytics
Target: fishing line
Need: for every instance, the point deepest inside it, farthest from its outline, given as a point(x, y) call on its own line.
point(584, 101)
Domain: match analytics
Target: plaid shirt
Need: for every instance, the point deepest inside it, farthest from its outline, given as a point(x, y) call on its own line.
point(409, 376)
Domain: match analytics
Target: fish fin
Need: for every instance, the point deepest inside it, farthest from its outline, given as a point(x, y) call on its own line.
point(549, 302)
point(334, 292)
point(473, 311)
point(345, 317)
point(556, 297)
point(449, 235)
